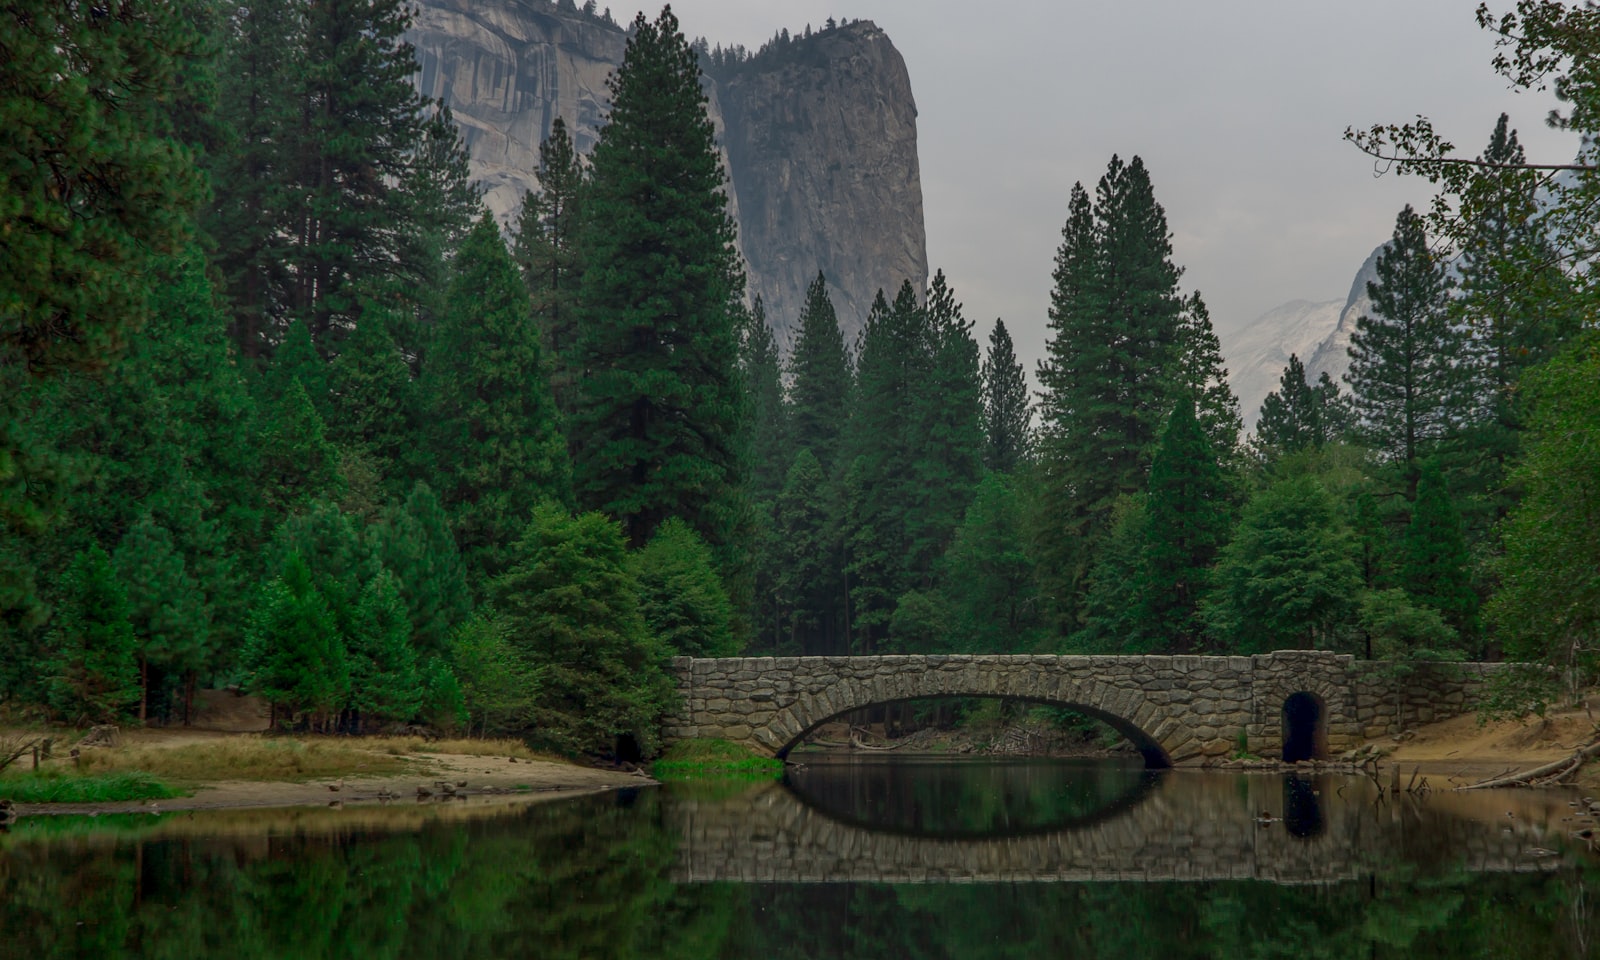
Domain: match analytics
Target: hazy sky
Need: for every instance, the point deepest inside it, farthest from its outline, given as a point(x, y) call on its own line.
point(1236, 106)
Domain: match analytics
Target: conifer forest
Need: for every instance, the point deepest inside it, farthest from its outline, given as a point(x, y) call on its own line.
point(284, 409)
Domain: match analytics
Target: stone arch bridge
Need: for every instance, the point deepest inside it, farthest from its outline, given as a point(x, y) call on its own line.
point(1174, 709)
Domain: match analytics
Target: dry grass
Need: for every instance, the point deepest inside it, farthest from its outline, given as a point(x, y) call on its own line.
point(470, 747)
point(249, 758)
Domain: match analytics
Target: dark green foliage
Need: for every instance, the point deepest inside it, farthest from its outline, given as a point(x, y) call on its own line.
point(1548, 607)
point(1187, 522)
point(1404, 372)
point(415, 543)
point(298, 464)
point(325, 541)
point(1202, 379)
point(948, 442)
point(296, 358)
point(1007, 414)
point(1435, 568)
point(294, 654)
point(1114, 603)
point(494, 442)
point(94, 676)
point(571, 606)
point(166, 607)
point(444, 705)
point(372, 403)
point(382, 666)
point(1286, 579)
point(819, 376)
point(768, 421)
point(499, 688)
point(94, 185)
point(1298, 415)
point(807, 591)
point(1400, 629)
point(546, 250)
point(656, 427)
point(987, 576)
point(680, 595)
point(1116, 365)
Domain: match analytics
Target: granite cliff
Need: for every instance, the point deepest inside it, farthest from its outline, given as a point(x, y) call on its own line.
point(818, 134)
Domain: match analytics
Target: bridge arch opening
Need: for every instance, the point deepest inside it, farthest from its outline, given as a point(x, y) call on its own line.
point(1154, 754)
point(1305, 728)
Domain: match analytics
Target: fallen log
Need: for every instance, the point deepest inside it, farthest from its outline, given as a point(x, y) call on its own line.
point(1549, 773)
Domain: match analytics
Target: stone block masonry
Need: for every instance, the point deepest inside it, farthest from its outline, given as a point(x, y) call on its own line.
point(1175, 709)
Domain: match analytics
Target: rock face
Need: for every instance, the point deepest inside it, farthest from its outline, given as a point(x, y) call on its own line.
point(1319, 333)
point(822, 139)
point(819, 137)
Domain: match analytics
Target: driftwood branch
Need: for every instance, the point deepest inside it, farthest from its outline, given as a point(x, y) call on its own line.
point(1552, 772)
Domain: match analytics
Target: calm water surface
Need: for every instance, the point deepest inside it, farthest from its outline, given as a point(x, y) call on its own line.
point(846, 859)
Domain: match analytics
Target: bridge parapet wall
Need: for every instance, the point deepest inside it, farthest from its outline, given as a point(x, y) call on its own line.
point(1178, 709)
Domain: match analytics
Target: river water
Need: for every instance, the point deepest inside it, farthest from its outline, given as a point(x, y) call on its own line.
point(880, 859)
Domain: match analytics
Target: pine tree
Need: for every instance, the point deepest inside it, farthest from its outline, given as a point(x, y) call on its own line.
point(1204, 380)
point(681, 597)
point(948, 441)
point(382, 666)
point(296, 358)
point(297, 461)
point(323, 538)
point(819, 376)
point(166, 608)
point(1007, 415)
point(987, 576)
point(546, 250)
point(294, 653)
point(880, 489)
point(498, 687)
point(807, 590)
point(1188, 523)
point(657, 421)
point(572, 606)
point(1435, 568)
point(94, 674)
point(414, 541)
point(97, 186)
point(1114, 603)
point(1298, 415)
point(1403, 359)
point(371, 397)
point(768, 422)
point(1114, 367)
point(495, 444)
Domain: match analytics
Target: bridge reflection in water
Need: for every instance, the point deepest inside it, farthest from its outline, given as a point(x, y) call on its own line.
point(827, 826)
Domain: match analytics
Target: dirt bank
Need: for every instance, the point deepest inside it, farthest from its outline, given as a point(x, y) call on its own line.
point(1462, 750)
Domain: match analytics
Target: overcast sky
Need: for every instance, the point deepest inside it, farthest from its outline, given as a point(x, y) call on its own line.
point(1236, 106)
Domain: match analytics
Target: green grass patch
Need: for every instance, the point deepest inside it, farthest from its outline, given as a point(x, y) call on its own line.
point(54, 787)
point(714, 759)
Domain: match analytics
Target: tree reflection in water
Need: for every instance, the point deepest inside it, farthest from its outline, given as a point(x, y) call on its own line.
point(595, 878)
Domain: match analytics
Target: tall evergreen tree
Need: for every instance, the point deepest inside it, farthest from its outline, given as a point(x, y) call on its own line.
point(546, 250)
point(1299, 415)
point(379, 657)
point(807, 588)
point(94, 676)
point(297, 461)
point(414, 541)
point(495, 445)
point(819, 377)
point(1112, 372)
point(97, 186)
point(681, 597)
point(166, 607)
point(1188, 523)
point(572, 605)
point(1435, 569)
point(948, 441)
point(987, 575)
point(296, 358)
point(657, 421)
point(294, 651)
point(1007, 415)
point(1404, 369)
point(372, 405)
point(770, 447)
point(1203, 379)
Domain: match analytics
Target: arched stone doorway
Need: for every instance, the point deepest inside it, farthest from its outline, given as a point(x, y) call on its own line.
point(1305, 728)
